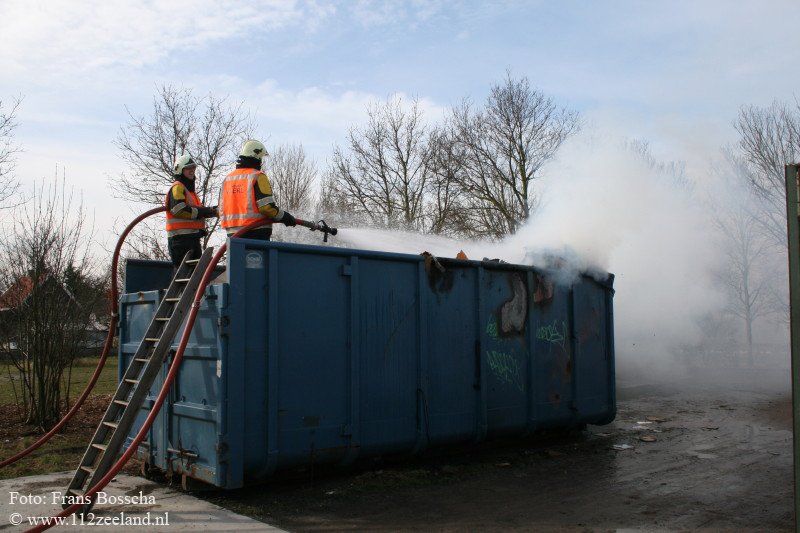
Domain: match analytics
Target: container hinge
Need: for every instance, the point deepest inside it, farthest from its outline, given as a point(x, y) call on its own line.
point(347, 270)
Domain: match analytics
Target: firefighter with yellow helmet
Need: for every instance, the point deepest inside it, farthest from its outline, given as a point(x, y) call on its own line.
point(247, 195)
point(185, 212)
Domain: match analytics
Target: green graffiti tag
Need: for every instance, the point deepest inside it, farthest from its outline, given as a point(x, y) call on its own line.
point(553, 334)
point(491, 328)
point(506, 368)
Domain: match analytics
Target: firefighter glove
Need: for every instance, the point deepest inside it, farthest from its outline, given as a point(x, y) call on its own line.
point(288, 219)
point(207, 212)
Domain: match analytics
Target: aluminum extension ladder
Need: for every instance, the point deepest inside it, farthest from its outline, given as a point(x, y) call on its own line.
point(132, 391)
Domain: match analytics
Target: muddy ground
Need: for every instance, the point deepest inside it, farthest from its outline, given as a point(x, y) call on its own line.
point(699, 453)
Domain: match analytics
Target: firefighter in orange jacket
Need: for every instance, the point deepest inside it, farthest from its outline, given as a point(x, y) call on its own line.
point(185, 213)
point(247, 195)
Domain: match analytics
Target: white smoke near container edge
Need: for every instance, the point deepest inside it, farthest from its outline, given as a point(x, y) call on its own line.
point(605, 209)
point(607, 206)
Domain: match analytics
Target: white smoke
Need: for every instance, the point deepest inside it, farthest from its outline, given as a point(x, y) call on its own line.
point(607, 209)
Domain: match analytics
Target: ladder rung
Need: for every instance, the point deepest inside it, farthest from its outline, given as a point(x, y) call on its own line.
point(111, 424)
point(152, 339)
point(141, 359)
point(74, 492)
point(171, 299)
point(87, 469)
point(162, 319)
point(100, 446)
point(132, 381)
point(192, 261)
point(121, 402)
point(182, 280)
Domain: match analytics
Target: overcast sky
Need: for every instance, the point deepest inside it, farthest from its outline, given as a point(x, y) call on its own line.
point(672, 72)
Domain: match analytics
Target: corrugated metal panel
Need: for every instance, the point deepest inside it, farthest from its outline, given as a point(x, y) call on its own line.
point(312, 355)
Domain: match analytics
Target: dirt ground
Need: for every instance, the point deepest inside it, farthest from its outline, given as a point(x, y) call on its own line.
point(688, 456)
point(710, 451)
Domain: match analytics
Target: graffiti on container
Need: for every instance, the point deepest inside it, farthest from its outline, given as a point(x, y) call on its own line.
point(506, 368)
point(491, 328)
point(553, 333)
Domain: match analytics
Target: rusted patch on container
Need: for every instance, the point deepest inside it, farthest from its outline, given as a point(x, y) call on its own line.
point(555, 399)
point(140, 296)
point(514, 312)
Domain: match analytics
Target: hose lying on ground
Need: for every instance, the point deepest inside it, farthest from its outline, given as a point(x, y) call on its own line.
point(106, 346)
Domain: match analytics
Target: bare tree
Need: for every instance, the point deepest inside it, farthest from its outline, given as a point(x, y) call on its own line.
point(337, 208)
point(744, 276)
point(506, 144)
point(383, 172)
point(208, 128)
point(292, 176)
point(673, 171)
point(8, 149)
point(749, 275)
point(769, 139)
point(445, 209)
point(45, 273)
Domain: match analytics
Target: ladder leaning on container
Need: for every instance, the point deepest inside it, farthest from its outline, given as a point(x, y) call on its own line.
point(142, 371)
point(96, 465)
point(201, 273)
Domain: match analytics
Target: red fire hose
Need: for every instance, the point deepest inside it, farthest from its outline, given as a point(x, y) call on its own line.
point(173, 371)
point(106, 346)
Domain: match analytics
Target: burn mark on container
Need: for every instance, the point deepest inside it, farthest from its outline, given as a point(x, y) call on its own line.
point(542, 290)
point(514, 312)
point(439, 278)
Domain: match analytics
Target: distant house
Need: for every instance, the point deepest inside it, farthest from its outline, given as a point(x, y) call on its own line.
point(22, 290)
point(17, 294)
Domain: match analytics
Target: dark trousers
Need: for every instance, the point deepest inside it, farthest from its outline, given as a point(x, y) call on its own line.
point(180, 245)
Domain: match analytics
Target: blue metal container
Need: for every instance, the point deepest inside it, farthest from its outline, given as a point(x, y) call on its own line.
point(323, 355)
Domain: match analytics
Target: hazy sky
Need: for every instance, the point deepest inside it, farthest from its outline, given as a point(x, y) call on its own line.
point(672, 72)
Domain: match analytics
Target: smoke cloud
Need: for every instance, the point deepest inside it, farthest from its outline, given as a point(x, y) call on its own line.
point(606, 208)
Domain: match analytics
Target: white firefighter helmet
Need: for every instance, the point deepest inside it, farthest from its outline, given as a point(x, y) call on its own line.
point(253, 148)
point(184, 161)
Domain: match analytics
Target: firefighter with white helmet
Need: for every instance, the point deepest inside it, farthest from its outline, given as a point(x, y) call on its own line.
point(185, 212)
point(247, 195)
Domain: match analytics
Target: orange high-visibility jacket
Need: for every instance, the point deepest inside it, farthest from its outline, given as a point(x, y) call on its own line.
point(238, 204)
point(177, 225)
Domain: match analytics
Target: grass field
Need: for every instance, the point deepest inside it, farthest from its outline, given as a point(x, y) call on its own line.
point(82, 371)
point(64, 450)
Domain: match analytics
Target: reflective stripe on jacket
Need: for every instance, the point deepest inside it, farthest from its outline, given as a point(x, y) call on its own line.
point(237, 202)
point(176, 225)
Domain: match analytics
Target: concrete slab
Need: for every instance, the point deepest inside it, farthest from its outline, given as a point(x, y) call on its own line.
point(129, 502)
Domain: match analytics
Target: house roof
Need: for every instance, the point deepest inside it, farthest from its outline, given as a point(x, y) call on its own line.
point(17, 293)
point(21, 289)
